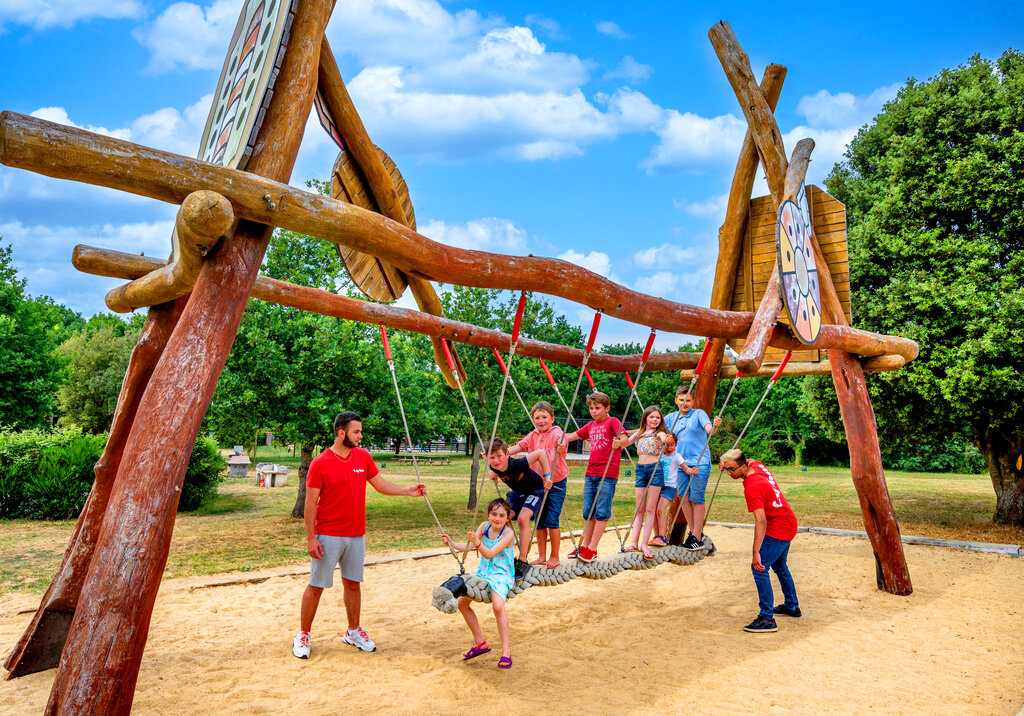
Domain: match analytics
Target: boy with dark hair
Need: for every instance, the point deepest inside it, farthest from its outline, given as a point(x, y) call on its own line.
point(602, 464)
point(526, 487)
point(335, 516)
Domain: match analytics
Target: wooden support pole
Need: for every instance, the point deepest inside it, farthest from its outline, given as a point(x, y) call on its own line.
point(99, 667)
point(40, 646)
point(878, 364)
point(105, 262)
point(752, 353)
point(730, 238)
point(357, 141)
point(204, 217)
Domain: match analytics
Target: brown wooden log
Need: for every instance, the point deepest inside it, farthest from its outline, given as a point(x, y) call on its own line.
point(106, 262)
point(203, 218)
point(357, 140)
point(760, 118)
point(767, 314)
point(793, 369)
point(99, 667)
point(40, 646)
point(65, 152)
point(730, 238)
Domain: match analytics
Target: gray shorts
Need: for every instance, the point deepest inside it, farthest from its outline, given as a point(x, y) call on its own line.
point(346, 552)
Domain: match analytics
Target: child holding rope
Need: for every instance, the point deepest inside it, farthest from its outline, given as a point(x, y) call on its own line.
point(671, 461)
point(493, 543)
point(692, 428)
point(650, 478)
point(526, 487)
point(602, 472)
point(546, 436)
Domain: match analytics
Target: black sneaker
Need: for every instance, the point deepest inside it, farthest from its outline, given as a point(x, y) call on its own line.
point(521, 568)
point(691, 542)
point(761, 625)
point(787, 612)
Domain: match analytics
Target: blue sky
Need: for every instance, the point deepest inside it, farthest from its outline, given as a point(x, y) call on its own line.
point(603, 133)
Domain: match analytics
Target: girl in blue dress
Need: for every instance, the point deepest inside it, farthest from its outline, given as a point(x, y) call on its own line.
point(493, 542)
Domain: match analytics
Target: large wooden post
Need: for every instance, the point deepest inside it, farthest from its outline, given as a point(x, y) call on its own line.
point(40, 646)
point(100, 664)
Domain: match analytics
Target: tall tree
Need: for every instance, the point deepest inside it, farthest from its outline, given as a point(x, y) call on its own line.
point(96, 361)
point(934, 190)
point(30, 329)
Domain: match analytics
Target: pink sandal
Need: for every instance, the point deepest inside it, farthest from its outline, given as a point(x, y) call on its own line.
point(478, 650)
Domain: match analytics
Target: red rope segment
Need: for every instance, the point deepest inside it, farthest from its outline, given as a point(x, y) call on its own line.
point(547, 372)
point(589, 379)
point(384, 338)
point(519, 316)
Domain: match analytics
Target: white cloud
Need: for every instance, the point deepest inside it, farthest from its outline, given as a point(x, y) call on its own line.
point(188, 36)
point(713, 208)
point(489, 234)
point(547, 25)
point(844, 109)
point(60, 116)
point(688, 141)
point(611, 29)
point(42, 14)
point(666, 255)
point(631, 70)
point(597, 261)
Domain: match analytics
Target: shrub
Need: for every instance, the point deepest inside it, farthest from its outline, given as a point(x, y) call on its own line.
point(47, 475)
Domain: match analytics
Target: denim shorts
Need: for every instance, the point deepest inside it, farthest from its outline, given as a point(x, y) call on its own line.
point(346, 552)
point(644, 473)
point(603, 510)
point(553, 507)
point(698, 483)
point(530, 502)
point(668, 493)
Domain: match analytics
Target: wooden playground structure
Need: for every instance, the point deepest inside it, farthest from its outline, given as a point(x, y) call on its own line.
point(93, 620)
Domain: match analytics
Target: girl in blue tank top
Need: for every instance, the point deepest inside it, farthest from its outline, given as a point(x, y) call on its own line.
point(493, 541)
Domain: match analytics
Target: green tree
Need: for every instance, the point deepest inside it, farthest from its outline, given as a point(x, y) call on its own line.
point(29, 371)
point(934, 190)
point(96, 361)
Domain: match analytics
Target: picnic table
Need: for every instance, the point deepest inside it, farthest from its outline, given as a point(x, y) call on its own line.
point(439, 460)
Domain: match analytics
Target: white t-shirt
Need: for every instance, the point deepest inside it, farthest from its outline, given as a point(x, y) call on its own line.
point(673, 463)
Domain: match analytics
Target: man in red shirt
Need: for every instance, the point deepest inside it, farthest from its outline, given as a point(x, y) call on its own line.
point(335, 516)
point(774, 529)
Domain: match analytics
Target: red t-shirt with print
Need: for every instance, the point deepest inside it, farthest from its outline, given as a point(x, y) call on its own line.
point(341, 511)
point(600, 434)
point(762, 492)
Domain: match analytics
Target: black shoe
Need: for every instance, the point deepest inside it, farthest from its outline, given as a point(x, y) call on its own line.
point(521, 568)
point(691, 542)
point(761, 625)
point(787, 612)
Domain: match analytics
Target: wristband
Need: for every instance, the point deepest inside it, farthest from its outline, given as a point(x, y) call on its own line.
point(547, 474)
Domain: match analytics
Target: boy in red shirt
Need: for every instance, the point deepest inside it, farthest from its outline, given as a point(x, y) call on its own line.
point(774, 530)
point(604, 461)
point(335, 516)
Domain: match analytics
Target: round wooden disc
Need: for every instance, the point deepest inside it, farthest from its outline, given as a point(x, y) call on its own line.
point(798, 271)
point(377, 279)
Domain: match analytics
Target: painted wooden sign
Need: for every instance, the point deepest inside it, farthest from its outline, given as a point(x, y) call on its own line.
point(246, 82)
point(798, 270)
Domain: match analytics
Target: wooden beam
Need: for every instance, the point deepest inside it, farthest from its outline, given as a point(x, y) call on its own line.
point(105, 262)
point(100, 664)
point(730, 237)
point(878, 364)
point(767, 315)
point(204, 217)
point(365, 154)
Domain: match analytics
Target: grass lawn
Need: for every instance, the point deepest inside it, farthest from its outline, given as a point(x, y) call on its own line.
point(247, 527)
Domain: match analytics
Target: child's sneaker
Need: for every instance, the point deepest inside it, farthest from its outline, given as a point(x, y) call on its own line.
point(691, 542)
point(358, 638)
point(786, 611)
point(587, 554)
point(574, 554)
point(300, 645)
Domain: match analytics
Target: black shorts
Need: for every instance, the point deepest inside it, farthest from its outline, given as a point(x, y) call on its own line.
point(530, 502)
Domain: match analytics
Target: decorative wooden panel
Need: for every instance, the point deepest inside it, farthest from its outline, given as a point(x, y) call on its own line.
point(758, 258)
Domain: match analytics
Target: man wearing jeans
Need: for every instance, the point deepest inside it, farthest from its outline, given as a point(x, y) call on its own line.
point(774, 529)
point(335, 515)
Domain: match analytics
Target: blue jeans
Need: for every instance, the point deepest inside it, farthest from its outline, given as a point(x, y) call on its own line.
point(773, 556)
point(548, 519)
point(603, 510)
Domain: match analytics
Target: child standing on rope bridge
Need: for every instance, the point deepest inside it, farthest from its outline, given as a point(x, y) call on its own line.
point(671, 462)
point(493, 543)
point(602, 472)
point(526, 486)
point(546, 437)
point(650, 441)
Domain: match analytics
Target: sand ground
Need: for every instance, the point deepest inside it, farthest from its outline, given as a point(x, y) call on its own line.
point(666, 640)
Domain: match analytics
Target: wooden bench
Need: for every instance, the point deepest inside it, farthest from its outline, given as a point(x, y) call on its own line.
point(439, 460)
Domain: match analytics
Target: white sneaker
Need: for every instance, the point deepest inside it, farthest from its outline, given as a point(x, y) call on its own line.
point(358, 638)
point(300, 645)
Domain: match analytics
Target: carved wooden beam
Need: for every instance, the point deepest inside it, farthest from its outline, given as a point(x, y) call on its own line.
point(768, 310)
point(204, 217)
point(877, 364)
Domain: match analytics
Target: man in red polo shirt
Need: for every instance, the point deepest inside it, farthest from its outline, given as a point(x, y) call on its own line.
point(335, 515)
point(774, 529)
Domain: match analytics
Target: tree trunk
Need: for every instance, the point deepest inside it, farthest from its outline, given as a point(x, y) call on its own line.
point(474, 473)
point(299, 511)
point(1001, 453)
point(398, 446)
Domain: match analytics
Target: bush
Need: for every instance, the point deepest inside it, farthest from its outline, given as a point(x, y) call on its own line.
point(47, 475)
